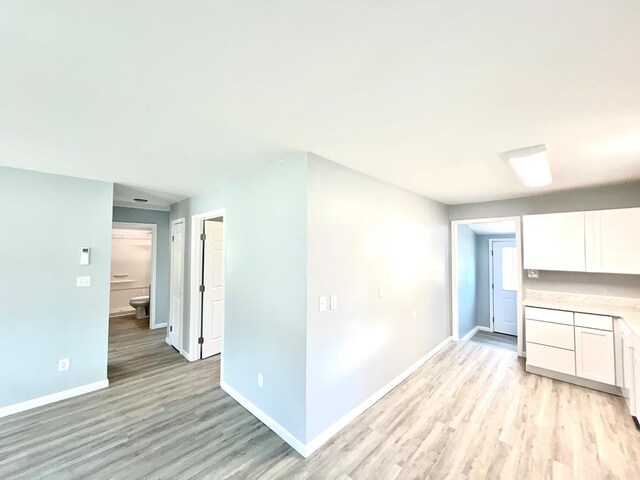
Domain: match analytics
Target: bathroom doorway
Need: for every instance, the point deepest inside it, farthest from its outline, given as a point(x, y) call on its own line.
point(133, 272)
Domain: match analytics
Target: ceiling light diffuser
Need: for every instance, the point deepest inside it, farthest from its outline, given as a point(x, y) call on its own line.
point(531, 165)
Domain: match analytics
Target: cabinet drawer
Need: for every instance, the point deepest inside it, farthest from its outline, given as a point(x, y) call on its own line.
point(548, 315)
point(551, 358)
point(589, 320)
point(552, 334)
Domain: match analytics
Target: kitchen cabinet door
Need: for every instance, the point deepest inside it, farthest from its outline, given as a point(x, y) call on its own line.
point(628, 374)
point(554, 242)
point(611, 238)
point(595, 359)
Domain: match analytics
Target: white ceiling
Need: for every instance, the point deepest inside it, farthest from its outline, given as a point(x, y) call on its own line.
point(123, 196)
point(493, 228)
point(183, 96)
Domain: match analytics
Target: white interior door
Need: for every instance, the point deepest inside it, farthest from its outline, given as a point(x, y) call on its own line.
point(505, 286)
point(177, 283)
point(213, 296)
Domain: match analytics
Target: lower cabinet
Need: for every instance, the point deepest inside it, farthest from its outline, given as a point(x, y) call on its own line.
point(551, 358)
point(576, 344)
point(595, 359)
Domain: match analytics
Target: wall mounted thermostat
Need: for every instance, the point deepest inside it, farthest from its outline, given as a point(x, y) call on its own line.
point(84, 256)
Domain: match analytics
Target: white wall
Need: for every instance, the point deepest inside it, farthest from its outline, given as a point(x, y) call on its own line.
point(363, 234)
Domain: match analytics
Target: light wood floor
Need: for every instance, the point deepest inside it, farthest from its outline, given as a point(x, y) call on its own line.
point(471, 412)
point(495, 339)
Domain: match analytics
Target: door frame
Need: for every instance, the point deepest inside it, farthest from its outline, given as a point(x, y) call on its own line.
point(154, 260)
point(455, 312)
point(492, 290)
point(195, 305)
point(171, 274)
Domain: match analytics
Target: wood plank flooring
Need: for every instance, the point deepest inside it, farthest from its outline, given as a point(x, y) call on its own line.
point(469, 413)
point(494, 339)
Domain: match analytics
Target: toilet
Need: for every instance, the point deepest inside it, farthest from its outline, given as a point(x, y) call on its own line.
point(141, 304)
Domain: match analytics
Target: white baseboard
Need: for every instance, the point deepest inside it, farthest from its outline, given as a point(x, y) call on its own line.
point(160, 325)
point(325, 436)
point(54, 397)
point(471, 333)
point(167, 341)
point(282, 432)
point(185, 354)
point(484, 329)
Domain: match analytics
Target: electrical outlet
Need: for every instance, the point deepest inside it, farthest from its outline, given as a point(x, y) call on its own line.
point(380, 291)
point(260, 380)
point(414, 314)
point(322, 304)
point(83, 281)
point(533, 273)
point(333, 302)
point(63, 365)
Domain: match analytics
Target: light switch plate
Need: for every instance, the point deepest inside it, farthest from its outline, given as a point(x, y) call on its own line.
point(333, 302)
point(322, 304)
point(260, 380)
point(83, 281)
point(533, 274)
point(415, 314)
point(63, 364)
point(380, 292)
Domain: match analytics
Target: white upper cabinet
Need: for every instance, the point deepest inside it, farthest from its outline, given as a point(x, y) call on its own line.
point(554, 242)
point(612, 241)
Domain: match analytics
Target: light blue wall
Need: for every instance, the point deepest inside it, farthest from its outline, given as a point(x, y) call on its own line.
point(364, 233)
point(265, 286)
point(44, 317)
point(161, 219)
point(466, 279)
point(483, 286)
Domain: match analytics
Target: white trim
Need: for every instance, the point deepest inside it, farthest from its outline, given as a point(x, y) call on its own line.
point(455, 312)
point(326, 435)
point(179, 321)
point(54, 397)
point(167, 341)
point(282, 432)
point(470, 334)
point(196, 270)
point(186, 355)
point(482, 328)
point(154, 260)
point(159, 325)
point(142, 206)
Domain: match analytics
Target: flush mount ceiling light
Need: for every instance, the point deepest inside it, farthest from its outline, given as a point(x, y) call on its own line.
point(141, 200)
point(531, 165)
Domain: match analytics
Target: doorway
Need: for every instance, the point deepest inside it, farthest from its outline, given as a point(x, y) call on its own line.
point(133, 269)
point(207, 285)
point(487, 280)
point(176, 286)
point(504, 286)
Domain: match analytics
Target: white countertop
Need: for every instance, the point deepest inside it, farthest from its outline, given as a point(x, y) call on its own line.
point(626, 308)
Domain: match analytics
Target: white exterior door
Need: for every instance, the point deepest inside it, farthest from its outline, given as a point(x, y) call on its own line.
point(505, 286)
point(177, 283)
point(213, 295)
